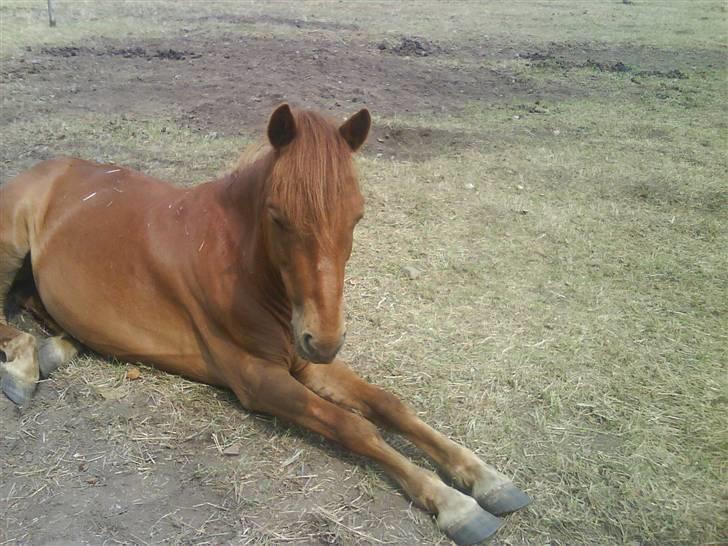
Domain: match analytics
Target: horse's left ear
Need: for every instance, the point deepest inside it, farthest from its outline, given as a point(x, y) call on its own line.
point(356, 128)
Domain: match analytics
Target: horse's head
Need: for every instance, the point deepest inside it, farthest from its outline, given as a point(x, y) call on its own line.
point(312, 206)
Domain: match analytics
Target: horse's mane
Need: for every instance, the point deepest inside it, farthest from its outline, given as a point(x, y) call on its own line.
point(309, 176)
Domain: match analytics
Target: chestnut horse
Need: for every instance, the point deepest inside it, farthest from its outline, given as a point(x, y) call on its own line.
point(237, 282)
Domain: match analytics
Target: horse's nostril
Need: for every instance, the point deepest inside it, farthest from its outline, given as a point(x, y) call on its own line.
point(308, 342)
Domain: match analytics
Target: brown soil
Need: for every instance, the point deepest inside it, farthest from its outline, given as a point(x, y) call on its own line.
point(229, 84)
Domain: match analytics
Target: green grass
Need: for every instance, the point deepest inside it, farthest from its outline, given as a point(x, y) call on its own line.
point(571, 319)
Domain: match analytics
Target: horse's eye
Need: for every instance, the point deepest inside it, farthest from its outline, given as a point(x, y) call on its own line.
point(279, 220)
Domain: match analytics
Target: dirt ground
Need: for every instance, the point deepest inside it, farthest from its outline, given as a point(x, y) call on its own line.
point(97, 458)
point(228, 84)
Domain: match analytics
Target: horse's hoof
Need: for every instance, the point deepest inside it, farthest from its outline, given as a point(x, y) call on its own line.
point(18, 391)
point(504, 500)
point(474, 529)
point(50, 356)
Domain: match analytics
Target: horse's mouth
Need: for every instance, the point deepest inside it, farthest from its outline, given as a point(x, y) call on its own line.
point(317, 356)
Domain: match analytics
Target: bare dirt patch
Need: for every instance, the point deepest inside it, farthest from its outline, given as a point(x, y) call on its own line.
point(125, 52)
point(229, 84)
point(413, 46)
point(644, 61)
point(416, 143)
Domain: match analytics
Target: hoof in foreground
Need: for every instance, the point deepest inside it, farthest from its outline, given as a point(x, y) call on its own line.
point(18, 391)
point(474, 529)
point(504, 500)
point(52, 353)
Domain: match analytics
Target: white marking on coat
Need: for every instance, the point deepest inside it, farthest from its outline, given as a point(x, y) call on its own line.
point(201, 245)
point(113, 171)
point(89, 196)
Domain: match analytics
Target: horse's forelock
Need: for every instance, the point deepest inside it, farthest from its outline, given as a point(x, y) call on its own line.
point(313, 173)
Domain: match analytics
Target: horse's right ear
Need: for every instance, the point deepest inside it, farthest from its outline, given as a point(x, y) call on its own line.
point(281, 126)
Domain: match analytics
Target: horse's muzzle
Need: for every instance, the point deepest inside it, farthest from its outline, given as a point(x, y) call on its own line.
point(309, 348)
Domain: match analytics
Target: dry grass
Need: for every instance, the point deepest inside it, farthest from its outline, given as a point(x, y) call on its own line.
point(700, 23)
point(569, 323)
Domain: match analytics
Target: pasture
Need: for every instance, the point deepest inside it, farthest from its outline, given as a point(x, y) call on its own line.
point(542, 270)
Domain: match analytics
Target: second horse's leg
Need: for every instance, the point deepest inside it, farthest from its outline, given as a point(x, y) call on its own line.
point(338, 383)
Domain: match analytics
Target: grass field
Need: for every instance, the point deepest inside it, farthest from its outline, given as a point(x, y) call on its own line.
point(555, 171)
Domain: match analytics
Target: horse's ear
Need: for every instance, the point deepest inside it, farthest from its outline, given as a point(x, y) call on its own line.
point(356, 128)
point(281, 126)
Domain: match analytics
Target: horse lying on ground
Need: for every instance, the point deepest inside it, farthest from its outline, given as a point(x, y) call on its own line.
point(237, 282)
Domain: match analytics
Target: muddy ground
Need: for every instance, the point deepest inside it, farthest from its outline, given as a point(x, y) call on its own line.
point(109, 460)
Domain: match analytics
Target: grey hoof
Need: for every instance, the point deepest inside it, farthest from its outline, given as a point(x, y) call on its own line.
point(50, 357)
point(504, 500)
point(476, 529)
point(17, 391)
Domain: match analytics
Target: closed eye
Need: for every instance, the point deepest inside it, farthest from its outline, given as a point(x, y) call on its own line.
point(279, 220)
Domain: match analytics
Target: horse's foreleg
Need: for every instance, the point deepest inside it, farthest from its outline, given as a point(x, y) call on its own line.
point(338, 383)
point(270, 389)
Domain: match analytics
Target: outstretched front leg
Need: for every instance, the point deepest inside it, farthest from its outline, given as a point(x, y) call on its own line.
point(271, 389)
point(338, 383)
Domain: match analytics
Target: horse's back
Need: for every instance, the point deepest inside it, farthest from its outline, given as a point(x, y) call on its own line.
point(58, 189)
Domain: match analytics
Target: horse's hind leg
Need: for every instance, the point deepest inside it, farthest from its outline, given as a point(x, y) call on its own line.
point(22, 360)
point(19, 371)
point(52, 351)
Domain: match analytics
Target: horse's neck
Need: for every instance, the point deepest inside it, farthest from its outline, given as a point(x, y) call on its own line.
point(242, 198)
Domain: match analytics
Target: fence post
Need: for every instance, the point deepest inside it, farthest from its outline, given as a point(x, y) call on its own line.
point(51, 15)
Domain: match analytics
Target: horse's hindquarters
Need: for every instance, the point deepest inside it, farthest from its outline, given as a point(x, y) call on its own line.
point(96, 247)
